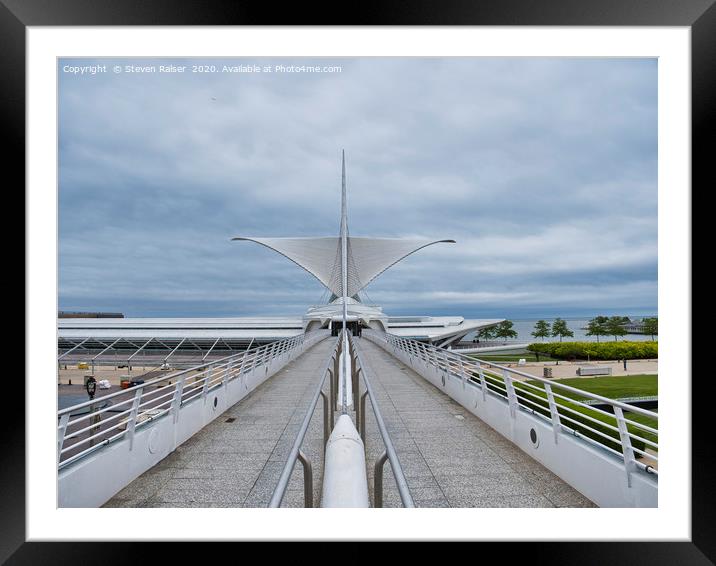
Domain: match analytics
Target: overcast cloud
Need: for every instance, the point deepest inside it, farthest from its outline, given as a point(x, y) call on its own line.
point(543, 170)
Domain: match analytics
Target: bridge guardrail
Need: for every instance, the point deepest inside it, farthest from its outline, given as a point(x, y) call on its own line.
point(118, 415)
point(296, 452)
point(389, 454)
point(331, 371)
point(617, 432)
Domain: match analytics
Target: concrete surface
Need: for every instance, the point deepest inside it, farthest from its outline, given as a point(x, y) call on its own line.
point(450, 458)
point(237, 464)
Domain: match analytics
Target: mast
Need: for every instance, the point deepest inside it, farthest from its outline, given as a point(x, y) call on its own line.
point(344, 241)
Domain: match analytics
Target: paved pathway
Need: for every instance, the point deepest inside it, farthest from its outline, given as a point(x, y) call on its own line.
point(450, 457)
point(569, 369)
point(238, 463)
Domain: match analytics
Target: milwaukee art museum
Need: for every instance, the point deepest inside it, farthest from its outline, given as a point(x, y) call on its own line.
point(346, 406)
point(366, 259)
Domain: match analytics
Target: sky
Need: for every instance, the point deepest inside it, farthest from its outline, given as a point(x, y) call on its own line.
point(544, 170)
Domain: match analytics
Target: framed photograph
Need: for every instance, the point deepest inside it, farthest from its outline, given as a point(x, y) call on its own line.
point(467, 189)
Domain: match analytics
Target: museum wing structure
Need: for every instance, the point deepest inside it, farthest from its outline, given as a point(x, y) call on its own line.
point(105, 340)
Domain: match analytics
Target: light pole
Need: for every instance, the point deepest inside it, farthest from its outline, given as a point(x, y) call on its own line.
point(91, 387)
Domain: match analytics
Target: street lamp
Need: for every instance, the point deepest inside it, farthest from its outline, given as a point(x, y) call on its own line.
point(91, 387)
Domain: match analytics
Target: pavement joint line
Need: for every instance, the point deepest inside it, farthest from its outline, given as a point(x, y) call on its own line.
point(386, 358)
point(288, 423)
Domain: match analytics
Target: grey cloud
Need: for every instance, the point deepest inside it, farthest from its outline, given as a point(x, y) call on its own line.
point(544, 170)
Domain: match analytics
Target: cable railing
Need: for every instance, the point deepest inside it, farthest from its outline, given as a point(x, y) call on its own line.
point(331, 373)
point(626, 431)
point(87, 427)
point(329, 370)
point(389, 454)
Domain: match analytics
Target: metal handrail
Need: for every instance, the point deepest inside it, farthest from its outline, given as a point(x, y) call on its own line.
point(296, 452)
point(389, 453)
point(174, 375)
point(157, 397)
point(594, 396)
point(477, 372)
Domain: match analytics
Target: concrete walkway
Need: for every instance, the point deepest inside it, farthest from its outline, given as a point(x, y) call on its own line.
point(569, 369)
point(238, 463)
point(450, 458)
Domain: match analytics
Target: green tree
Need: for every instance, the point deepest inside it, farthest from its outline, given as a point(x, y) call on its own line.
point(504, 330)
point(560, 328)
point(615, 327)
point(486, 333)
point(651, 326)
point(595, 327)
point(542, 329)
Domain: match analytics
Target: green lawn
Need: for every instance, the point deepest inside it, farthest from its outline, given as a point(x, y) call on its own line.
point(613, 387)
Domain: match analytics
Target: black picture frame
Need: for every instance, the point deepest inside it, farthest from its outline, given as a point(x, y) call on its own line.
point(698, 15)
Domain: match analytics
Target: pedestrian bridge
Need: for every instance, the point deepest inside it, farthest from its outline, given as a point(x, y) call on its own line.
point(420, 427)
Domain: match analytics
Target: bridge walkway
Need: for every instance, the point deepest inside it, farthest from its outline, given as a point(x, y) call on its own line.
point(237, 463)
point(450, 458)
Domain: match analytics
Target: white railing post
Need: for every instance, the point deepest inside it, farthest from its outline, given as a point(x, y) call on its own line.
point(132, 423)
point(463, 373)
point(442, 366)
point(434, 357)
point(207, 377)
point(270, 356)
point(225, 377)
point(423, 354)
point(627, 450)
point(176, 402)
point(446, 361)
point(255, 361)
point(64, 419)
point(244, 374)
point(242, 363)
point(483, 382)
point(511, 394)
point(554, 414)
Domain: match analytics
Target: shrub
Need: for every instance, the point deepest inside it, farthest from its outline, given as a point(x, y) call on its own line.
point(597, 351)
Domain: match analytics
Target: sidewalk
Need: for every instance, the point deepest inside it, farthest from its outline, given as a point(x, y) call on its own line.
point(569, 369)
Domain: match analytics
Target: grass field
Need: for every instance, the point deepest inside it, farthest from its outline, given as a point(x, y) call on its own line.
point(614, 387)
